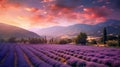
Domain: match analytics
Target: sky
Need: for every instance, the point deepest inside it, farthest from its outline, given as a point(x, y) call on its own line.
point(30, 14)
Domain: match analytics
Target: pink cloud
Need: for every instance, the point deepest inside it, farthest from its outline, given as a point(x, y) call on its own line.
point(96, 14)
point(52, 14)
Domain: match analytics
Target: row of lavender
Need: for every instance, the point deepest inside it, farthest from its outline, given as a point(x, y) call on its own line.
point(15, 55)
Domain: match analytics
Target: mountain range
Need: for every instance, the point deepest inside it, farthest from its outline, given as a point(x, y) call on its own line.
point(7, 31)
point(112, 26)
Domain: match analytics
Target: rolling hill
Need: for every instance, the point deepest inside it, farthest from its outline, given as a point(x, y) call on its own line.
point(113, 27)
point(7, 31)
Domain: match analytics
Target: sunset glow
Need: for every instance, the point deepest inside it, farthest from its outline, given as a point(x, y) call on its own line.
point(45, 13)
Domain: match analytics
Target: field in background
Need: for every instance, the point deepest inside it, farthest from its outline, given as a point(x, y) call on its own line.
point(21, 55)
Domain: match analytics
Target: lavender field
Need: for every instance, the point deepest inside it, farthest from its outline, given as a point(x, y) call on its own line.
point(21, 55)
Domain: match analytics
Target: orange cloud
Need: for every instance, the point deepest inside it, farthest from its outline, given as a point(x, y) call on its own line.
point(31, 9)
point(41, 18)
point(37, 18)
point(42, 21)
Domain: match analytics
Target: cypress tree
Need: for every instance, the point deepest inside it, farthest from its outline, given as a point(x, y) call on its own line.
point(119, 40)
point(104, 35)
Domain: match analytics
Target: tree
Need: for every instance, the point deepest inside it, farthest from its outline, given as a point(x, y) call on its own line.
point(2, 40)
point(51, 41)
point(113, 43)
point(24, 40)
point(35, 40)
point(93, 41)
point(111, 37)
point(63, 41)
point(104, 35)
point(81, 38)
point(119, 40)
point(12, 40)
point(45, 40)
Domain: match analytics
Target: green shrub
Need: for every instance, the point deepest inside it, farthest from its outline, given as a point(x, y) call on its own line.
point(12, 40)
point(63, 41)
point(112, 43)
point(93, 41)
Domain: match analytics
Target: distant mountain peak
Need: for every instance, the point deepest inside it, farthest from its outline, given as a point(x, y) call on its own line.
point(113, 27)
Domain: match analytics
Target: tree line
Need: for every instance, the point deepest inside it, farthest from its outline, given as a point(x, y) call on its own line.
point(81, 38)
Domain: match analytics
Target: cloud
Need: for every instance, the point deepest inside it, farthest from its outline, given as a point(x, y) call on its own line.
point(89, 15)
point(67, 10)
point(97, 14)
point(47, 0)
point(37, 18)
point(2, 3)
point(54, 12)
point(67, 3)
point(31, 9)
point(41, 20)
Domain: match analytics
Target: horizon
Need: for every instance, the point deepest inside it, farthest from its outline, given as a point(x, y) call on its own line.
point(52, 32)
point(30, 29)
